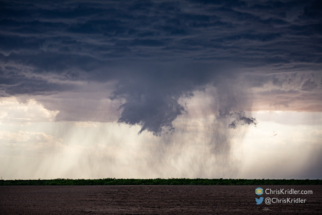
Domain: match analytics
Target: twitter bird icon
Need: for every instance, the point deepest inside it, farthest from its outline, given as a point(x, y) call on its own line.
point(259, 200)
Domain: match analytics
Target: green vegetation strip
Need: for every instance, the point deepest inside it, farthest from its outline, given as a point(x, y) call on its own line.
point(174, 181)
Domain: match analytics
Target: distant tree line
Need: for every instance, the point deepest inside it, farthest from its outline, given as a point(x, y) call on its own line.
point(159, 181)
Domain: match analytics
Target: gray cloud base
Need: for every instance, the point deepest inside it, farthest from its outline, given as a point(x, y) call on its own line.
point(158, 51)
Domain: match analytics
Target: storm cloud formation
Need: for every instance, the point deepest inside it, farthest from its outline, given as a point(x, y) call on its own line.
point(160, 88)
point(156, 52)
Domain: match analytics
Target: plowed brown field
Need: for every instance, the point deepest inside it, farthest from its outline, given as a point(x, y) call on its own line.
point(151, 200)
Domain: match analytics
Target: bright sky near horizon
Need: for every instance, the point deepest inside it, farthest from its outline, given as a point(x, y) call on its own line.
point(33, 145)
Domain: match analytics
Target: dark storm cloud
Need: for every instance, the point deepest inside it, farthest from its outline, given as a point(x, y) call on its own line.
point(152, 100)
point(157, 51)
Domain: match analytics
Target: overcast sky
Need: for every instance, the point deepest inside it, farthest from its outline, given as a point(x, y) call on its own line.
point(161, 89)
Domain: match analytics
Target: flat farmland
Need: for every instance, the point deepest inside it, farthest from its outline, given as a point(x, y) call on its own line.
point(153, 199)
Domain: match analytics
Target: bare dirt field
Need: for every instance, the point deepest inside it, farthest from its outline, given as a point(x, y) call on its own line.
point(151, 199)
